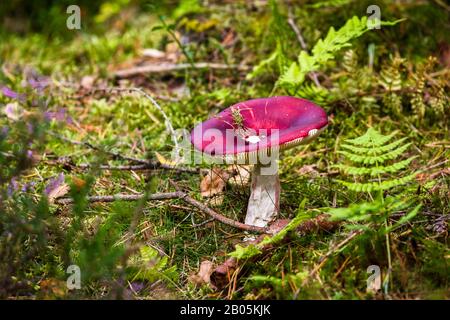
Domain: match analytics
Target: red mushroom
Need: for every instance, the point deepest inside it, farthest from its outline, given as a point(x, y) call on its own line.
point(252, 132)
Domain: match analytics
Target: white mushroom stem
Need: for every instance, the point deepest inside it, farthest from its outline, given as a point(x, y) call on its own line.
point(263, 205)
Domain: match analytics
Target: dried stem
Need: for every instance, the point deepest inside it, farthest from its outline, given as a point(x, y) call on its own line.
point(171, 195)
point(302, 42)
point(171, 67)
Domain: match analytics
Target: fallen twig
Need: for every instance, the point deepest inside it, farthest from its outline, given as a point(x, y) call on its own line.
point(171, 67)
point(302, 42)
point(216, 215)
point(138, 167)
point(171, 195)
point(125, 197)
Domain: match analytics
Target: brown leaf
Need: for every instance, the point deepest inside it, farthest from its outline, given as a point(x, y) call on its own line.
point(78, 183)
point(87, 82)
point(213, 183)
point(216, 200)
point(241, 177)
point(308, 170)
point(52, 288)
point(58, 192)
point(204, 273)
point(165, 161)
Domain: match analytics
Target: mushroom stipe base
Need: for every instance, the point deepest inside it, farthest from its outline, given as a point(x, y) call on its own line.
point(264, 203)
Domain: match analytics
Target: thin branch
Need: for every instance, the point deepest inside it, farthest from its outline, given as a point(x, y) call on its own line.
point(170, 195)
point(220, 217)
point(124, 197)
point(139, 167)
point(216, 215)
point(197, 225)
point(171, 67)
point(296, 30)
point(301, 40)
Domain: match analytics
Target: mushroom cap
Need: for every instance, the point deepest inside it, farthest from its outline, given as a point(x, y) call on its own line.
point(277, 122)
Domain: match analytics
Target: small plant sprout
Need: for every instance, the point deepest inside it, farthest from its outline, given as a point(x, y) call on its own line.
point(252, 133)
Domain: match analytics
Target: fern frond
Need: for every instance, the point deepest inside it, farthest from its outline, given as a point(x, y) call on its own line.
point(377, 186)
point(374, 211)
point(312, 92)
point(263, 65)
point(350, 61)
point(372, 159)
point(336, 40)
point(390, 75)
point(372, 138)
point(356, 212)
point(292, 75)
point(374, 171)
point(376, 149)
point(325, 49)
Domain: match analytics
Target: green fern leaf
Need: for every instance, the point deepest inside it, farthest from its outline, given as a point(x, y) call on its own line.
point(374, 171)
point(373, 159)
point(292, 75)
point(325, 49)
point(372, 138)
point(376, 150)
point(377, 186)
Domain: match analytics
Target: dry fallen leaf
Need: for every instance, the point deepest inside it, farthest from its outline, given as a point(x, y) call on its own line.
point(56, 188)
point(52, 288)
point(213, 183)
point(216, 200)
point(58, 192)
point(308, 170)
point(78, 183)
point(222, 275)
point(164, 161)
point(242, 176)
point(87, 82)
point(204, 273)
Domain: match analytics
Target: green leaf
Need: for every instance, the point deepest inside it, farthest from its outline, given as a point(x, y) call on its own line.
point(292, 76)
point(405, 218)
point(325, 49)
point(374, 171)
point(372, 159)
point(245, 252)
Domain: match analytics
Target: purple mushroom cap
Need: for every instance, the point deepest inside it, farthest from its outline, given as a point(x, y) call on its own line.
point(276, 122)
